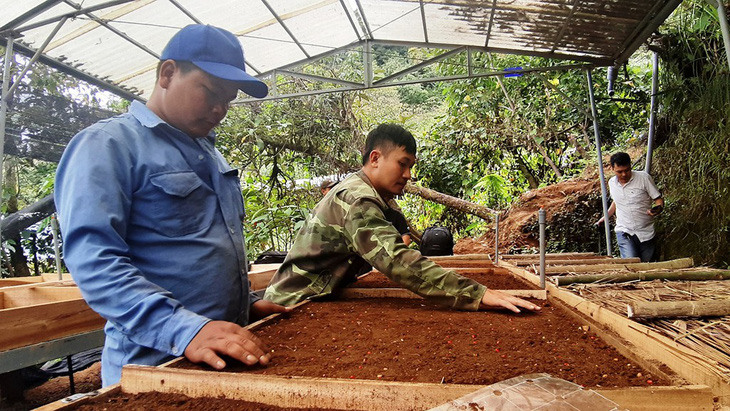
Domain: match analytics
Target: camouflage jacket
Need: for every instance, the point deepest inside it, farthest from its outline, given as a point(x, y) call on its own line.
point(348, 224)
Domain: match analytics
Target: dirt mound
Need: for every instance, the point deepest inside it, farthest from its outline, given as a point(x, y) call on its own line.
point(570, 207)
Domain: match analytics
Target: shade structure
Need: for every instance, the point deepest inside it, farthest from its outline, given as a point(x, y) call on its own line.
point(116, 43)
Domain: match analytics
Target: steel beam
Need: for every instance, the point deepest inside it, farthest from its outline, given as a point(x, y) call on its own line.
point(283, 25)
point(650, 23)
point(491, 23)
point(604, 193)
point(423, 21)
point(70, 14)
point(73, 71)
point(349, 17)
point(4, 110)
point(186, 12)
point(652, 113)
point(30, 14)
point(568, 20)
point(364, 20)
point(419, 66)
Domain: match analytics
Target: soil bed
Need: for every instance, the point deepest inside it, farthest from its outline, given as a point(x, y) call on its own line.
point(161, 401)
point(414, 340)
point(492, 281)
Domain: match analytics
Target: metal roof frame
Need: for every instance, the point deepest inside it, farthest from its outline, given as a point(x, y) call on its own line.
point(565, 16)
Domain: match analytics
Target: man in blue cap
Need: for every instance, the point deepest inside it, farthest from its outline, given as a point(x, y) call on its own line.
point(151, 216)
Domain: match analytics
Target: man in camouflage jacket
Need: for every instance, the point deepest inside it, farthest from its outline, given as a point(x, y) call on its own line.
point(348, 226)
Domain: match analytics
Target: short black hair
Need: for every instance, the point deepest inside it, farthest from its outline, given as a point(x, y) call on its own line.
point(184, 66)
point(620, 159)
point(386, 137)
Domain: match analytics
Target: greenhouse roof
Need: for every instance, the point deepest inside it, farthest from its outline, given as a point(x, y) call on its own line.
point(116, 44)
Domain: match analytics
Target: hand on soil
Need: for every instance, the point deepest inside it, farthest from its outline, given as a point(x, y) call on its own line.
point(498, 299)
point(262, 309)
point(226, 338)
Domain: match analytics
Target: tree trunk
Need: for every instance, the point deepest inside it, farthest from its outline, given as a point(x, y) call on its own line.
point(576, 144)
point(531, 180)
point(18, 260)
point(13, 224)
point(456, 203)
point(548, 160)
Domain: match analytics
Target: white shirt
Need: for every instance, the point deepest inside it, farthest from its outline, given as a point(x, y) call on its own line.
point(632, 200)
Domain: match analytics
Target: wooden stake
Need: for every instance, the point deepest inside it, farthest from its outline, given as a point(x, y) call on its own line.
point(673, 309)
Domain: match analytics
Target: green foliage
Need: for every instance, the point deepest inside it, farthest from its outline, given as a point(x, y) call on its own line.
point(693, 163)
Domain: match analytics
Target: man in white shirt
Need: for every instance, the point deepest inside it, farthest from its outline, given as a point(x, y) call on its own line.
point(636, 201)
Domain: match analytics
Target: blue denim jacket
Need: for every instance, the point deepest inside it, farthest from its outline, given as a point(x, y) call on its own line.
point(152, 227)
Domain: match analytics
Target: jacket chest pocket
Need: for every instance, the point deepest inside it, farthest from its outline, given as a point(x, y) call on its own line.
point(177, 203)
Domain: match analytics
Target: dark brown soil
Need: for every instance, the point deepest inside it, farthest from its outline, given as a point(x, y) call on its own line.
point(414, 340)
point(85, 381)
point(160, 402)
point(515, 224)
point(492, 281)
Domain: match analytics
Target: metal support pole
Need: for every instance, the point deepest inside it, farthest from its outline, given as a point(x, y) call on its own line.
point(35, 57)
point(722, 16)
point(496, 239)
point(69, 364)
point(56, 248)
point(652, 114)
point(541, 221)
point(367, 61)
point(597, 134)
point(4, 107)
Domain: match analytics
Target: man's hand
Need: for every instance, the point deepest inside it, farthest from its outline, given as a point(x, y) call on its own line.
point(226, 338)
point(262, 309)
point(498, 299)
point(599, 222)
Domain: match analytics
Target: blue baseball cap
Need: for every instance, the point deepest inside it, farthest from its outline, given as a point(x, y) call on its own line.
point(215, 51)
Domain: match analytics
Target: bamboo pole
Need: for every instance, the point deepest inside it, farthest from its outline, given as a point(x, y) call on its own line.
point(672, 264)
point(673, 309)
point(586, 261)
point(644, 276)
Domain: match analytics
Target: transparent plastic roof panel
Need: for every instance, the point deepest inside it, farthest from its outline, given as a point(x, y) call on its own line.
point(116, 43)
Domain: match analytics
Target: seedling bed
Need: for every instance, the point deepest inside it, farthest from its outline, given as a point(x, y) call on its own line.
point(487, 276)
point(417, 341)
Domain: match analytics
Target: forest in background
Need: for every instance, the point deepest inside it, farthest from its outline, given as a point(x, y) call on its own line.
point(486, 140)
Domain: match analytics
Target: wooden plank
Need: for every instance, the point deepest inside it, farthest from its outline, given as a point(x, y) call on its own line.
point(589, 261)
point(694, 397)
point(461, 257)
point(682, 398)
point(465, 264)
point(64, 283)
point(69, 404)
point(674, 309)
point(648, 343)
point(20, 297)
point(340, 394)
point(43, 322)
point(550, 255)
point(258, 268)
point(7, 282)
point(54, 277)
point(672, 264)
point(403, 293)
point(260, 280)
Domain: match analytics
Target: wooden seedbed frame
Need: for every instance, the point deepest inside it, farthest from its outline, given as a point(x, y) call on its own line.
point(646, 343)
point(38, 312)
point(348, 394)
